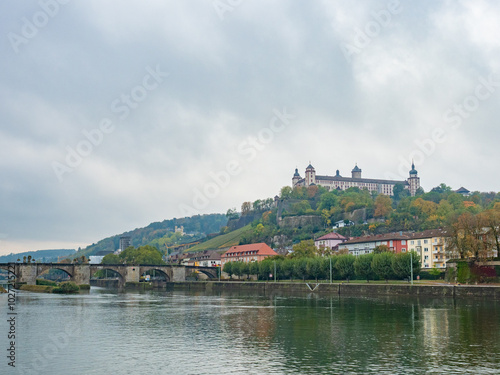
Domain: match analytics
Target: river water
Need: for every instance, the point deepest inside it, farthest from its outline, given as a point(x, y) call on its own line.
point(177, 333)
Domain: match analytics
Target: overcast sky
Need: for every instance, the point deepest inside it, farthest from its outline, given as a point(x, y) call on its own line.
point(115, 114)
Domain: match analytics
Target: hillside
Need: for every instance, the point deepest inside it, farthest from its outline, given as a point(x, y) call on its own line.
point(224, 240)
point(45, 256)
point(160, 234)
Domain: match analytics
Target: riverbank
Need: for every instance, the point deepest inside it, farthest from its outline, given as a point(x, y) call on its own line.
point(348, 289)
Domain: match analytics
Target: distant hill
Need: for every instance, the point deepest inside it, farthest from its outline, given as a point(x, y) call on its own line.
point(196, 227)
point(44, 256)
point(222, 241)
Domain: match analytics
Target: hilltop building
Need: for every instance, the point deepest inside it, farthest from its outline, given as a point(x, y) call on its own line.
point(339, 182)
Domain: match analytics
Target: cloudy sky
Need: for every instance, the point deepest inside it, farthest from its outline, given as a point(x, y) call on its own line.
point(115, 114)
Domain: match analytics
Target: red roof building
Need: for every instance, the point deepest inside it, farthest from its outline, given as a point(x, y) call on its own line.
point(254, 252)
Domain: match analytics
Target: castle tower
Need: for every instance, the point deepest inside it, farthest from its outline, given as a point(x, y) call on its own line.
point(310, 175)
point(413, 180)
point(356, 172)
point(296, 178)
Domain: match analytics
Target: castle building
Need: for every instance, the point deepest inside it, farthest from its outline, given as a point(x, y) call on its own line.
point(338, 182)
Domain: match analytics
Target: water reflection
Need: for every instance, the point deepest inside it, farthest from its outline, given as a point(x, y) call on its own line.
point(241, 333)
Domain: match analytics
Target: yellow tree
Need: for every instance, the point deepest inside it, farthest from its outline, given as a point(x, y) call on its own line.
point(383, 206)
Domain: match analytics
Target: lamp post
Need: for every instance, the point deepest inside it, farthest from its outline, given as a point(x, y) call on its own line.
point(411, 267)
point(331, 270)
point(274, 270)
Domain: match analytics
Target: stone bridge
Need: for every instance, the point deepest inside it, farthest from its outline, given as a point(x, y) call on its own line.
point(82, 273)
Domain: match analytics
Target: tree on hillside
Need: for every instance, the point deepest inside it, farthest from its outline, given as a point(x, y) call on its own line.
point(286, 192)
point(246, 207)
point(231, 213)
point(383, 206)
point(382, 265)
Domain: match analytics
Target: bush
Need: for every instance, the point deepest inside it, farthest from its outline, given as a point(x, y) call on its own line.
point(463, 272)
point(45, 282)
point(66, 287)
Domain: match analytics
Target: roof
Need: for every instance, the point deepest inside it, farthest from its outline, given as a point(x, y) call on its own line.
point(262, 249)
point(429, 234)
point(296, 174)
point(378, 237)
point(356, 169)
point(366, 180)
point(310, 166)
point(462, 190)
point(413, 170)
point(332, 236)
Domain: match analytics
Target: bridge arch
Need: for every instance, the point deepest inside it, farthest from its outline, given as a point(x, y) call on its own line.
point(43, 270)
point(144, 269)
point(115, 268)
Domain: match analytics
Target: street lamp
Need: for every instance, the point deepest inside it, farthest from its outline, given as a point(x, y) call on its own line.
point(274, 270)
point(411, 267)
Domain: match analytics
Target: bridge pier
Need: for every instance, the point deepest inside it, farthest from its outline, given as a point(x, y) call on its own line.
point(81, 274)
point(132, 274)
point(178, 274)
point(26, 273)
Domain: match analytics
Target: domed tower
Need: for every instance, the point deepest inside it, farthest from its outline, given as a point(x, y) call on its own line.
point(356, 172)
point(414, 180)
point(296, 178)
point(310, 175)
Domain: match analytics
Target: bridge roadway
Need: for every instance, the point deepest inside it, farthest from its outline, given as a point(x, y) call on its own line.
point(81, 273)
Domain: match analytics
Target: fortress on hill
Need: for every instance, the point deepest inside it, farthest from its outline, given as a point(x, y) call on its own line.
point(339, 182)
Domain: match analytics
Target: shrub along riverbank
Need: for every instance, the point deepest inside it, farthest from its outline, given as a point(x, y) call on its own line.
point(47, 286)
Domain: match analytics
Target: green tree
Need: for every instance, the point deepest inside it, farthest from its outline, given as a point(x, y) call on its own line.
point(253, 268)
point(345, 266)
point(300, 268)
point(403, 262)
point(363, 266)
point(265, 269)
point(304, 249)
point(228, 268)
point(380, 249)
point(313, 268)
point(231, 214)
point(287, 268)
point(245, 268)
point(382, 265)
point(111, 259)
point(237, 269)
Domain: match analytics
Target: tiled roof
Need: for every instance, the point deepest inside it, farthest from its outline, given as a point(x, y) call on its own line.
point(378, 237)
point(429, 233)
point(261, 248)
point(332, 236)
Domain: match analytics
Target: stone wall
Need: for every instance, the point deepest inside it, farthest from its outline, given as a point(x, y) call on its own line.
point(458, 291)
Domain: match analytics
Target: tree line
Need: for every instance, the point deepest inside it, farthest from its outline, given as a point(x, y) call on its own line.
point(381, 266)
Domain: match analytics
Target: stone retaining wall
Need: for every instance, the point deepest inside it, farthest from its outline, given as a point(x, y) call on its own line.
point(459, 291)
